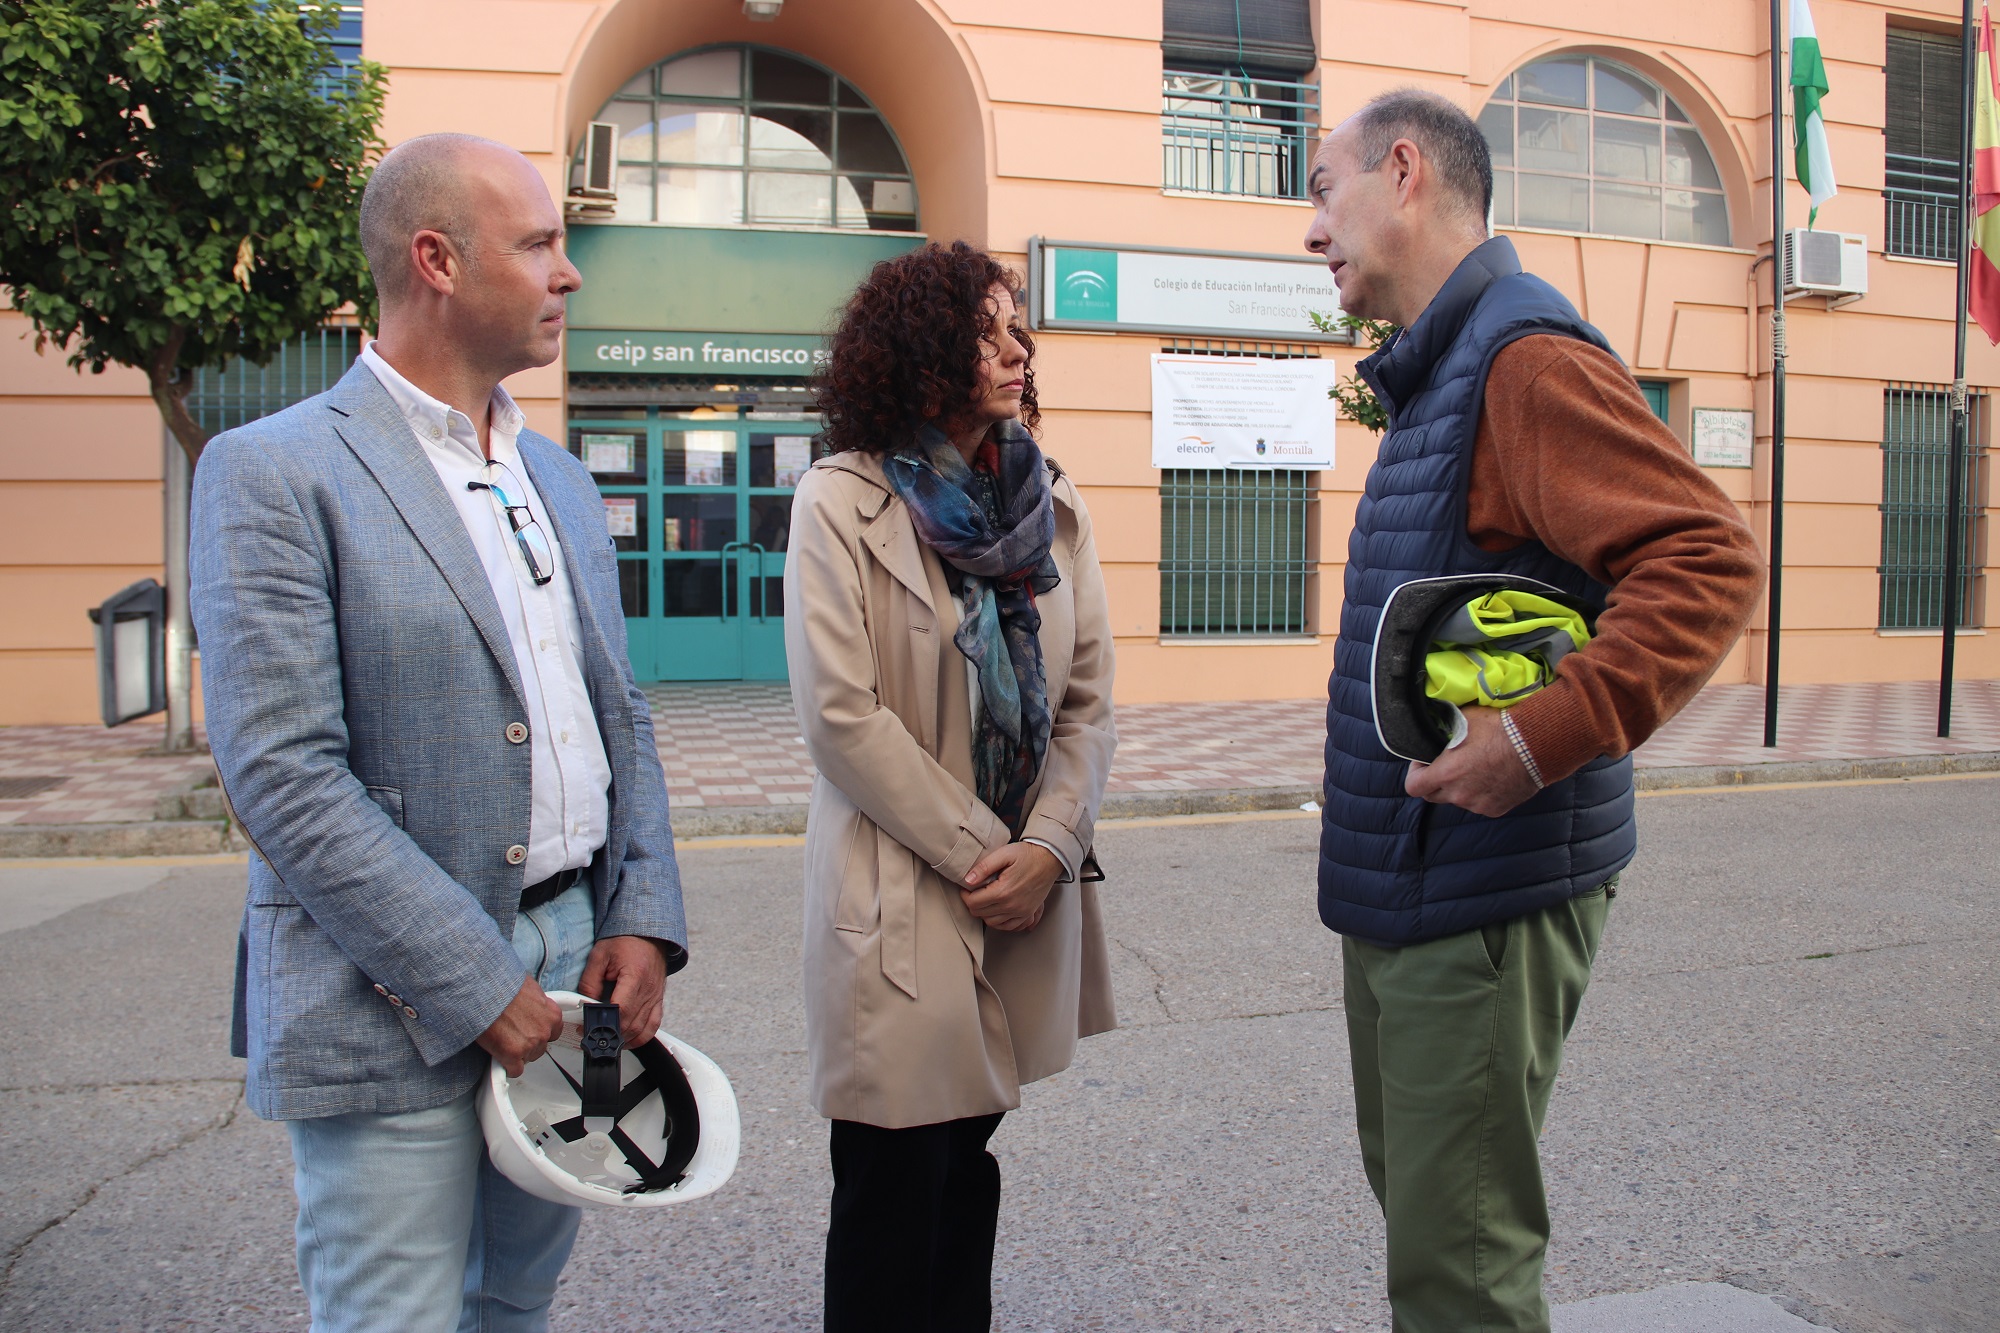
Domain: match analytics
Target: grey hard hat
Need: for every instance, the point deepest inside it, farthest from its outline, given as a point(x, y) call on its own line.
point(1418, 616)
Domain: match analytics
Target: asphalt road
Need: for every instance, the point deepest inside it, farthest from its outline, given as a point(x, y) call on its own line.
point(1785, 1082)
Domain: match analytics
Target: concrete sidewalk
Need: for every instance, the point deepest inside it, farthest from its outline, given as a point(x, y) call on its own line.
point(735, 763)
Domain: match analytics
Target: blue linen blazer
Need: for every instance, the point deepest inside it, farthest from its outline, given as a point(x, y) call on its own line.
point(359, 685)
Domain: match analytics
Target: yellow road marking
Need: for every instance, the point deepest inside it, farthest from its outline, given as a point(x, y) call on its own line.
point(1827, 782)
point(739, 842)
point(732, 842)
point(57, 862)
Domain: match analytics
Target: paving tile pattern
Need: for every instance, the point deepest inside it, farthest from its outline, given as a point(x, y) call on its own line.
point(728, 745)
point(1725, 724)
point(108, 775)
point(738, 745)
point(1277, 743)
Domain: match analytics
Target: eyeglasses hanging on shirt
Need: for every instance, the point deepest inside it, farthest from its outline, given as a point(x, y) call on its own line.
point(518, 519)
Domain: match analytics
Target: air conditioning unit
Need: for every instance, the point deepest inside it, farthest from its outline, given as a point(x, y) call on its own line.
point(600, 162)
point(1832, 264)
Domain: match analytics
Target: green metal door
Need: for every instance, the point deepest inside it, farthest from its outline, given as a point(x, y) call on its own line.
point(699, 505)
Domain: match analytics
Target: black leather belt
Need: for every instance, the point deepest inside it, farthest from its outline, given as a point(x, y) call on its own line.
point(549, 889)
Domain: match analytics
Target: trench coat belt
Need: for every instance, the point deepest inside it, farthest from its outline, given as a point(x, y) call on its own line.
point(899, 919)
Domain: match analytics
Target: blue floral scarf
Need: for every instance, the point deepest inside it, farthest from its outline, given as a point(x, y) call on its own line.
point(992, 524)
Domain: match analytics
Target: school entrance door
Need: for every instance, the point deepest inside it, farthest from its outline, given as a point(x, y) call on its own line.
point(699, 505)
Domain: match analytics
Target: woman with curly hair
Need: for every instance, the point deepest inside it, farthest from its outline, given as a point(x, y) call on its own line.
point(950, 656)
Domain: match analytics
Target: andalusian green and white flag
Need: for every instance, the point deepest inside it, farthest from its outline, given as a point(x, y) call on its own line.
point(1808, 126)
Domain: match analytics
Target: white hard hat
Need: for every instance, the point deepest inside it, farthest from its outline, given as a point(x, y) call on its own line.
point(665, 1131)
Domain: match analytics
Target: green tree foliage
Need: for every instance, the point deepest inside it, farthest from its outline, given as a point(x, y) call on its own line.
point(180, 181)
point(1357, 401)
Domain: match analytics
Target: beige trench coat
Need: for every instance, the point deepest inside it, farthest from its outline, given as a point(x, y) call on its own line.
point(915, 1012)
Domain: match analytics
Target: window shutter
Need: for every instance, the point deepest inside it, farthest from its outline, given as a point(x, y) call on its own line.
point(1275, 34)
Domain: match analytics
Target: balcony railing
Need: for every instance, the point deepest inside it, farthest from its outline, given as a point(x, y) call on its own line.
point(1922, 198)
point(1237, 134)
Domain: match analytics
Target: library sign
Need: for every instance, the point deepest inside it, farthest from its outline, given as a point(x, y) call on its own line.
point(1194, 293)
point(650, 352)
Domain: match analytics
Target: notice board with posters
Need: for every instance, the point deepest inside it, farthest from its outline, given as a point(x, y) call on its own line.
point(1242, 412)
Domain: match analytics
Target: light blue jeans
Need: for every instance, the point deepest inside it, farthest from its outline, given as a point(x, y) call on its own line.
point(404, 1225)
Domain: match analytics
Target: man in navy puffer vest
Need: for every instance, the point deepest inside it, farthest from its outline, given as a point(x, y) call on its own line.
point(1471, 892)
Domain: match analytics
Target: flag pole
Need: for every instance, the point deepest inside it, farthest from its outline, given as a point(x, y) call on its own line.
point(1775, 597)
point(1955, 458)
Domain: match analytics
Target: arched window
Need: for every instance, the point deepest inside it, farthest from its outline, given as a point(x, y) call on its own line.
point(741, 136)
point(1584, 144)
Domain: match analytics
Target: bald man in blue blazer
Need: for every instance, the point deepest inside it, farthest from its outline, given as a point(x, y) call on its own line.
point(417, 692)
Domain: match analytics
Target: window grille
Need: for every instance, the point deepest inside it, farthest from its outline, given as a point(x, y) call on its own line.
point(1235, 551)
point(1587, 145)
point(1237, 133)
point(241, 392)
point(337, 79)
point(1916, 443)
point(1237, 347)
point(1921, 194)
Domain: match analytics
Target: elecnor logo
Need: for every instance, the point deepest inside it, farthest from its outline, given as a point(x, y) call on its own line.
point(1193, 444)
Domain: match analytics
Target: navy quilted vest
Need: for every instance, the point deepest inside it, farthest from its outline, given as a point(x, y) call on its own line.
point(1394, 869)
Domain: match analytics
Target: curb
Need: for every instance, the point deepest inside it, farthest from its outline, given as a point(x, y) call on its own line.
point(158, 837)
point(1817, 770)
point(190, 837)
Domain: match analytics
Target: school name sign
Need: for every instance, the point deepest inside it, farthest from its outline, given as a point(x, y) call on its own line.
point(650, 352)
point(1193, 293)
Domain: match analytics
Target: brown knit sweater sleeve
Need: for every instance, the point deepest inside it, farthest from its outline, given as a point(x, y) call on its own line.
point(1569, 454)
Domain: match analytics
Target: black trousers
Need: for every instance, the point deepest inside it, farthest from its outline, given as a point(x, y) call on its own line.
point(910, 1245)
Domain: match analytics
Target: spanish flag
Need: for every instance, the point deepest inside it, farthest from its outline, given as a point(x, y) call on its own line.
point(1985, 256)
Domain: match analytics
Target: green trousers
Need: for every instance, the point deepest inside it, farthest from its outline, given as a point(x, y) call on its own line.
point(1456, 1044)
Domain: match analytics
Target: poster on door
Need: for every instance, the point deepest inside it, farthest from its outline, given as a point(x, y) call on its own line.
point(791, 455)
point(608, 453)
point(1242, 412)
point(621, 515)
point(704, 461)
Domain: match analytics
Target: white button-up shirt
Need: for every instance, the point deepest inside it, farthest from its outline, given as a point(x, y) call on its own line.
point(571, 777)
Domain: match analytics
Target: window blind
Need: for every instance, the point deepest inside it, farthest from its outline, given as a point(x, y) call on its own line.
point(1259, 34)
point(1924, 94)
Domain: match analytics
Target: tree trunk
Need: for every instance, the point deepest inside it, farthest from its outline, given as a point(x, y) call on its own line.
point(170, 396)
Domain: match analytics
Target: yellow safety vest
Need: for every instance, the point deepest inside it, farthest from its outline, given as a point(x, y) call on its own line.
point(1489, 673)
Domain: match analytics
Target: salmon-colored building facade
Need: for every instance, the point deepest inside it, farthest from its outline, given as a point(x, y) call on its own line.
point(1022, 125)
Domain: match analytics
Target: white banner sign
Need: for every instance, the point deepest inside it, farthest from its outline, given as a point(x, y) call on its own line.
point(1228, 411)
